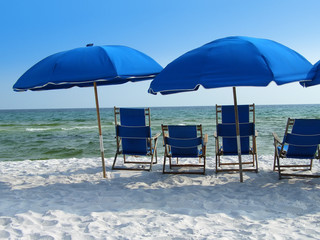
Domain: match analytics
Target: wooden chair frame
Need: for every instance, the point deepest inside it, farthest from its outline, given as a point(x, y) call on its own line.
point(227, 166)
point(152, 143)
point(282, 154)
point(174, 165)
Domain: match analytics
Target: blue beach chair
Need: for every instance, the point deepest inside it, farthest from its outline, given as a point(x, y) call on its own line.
point(300, 144)
point(184, 142)
point(226, 140)
point(133, 136)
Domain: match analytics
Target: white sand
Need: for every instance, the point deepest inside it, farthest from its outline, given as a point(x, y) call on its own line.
point(68, 199)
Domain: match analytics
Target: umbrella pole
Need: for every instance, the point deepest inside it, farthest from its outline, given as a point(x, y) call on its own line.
point(237, 131)
point(100, 132)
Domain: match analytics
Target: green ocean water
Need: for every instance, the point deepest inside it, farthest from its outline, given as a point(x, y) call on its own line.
point(73, 133)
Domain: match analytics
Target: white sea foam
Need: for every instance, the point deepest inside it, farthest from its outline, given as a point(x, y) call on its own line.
point(69, 199)
point(59, 128)
point(79, 127)
point(38, 129)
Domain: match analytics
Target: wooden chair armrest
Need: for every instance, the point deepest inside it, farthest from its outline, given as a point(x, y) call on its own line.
point(276, 139)
point(205, 139)
point(156, 135)
point(165, 134)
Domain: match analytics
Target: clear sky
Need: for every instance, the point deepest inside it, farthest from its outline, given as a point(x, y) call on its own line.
point(164, 29)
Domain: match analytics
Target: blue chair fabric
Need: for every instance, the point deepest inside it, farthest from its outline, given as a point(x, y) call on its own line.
point(134, 138)
point(133, 130)
point(304, 138)
point(228, 127)
point(301, 141)
point(184, 141)
point(226, 138)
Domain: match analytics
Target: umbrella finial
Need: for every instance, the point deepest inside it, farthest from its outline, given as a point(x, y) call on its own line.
point(89, 45)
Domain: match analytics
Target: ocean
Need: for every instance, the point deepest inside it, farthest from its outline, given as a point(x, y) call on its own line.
point(73, 133)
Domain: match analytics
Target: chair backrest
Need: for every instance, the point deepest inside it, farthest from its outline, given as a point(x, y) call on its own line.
point(226, 127)
point(304, 138)
point(183, 140)
point(133, 130)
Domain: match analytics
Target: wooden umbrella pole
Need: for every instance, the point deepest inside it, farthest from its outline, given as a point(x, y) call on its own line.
point(100, 131)
point(237, 132)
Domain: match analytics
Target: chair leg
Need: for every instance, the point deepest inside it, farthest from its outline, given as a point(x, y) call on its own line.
point(154, 157)
point(151, 163)
point(164, 164)
point(156, 153)
point(279, 170)
point(274, 160)
point(114, 161)
point(216, 163)
point(256, 157)
point(253, 160)
point(311, 162)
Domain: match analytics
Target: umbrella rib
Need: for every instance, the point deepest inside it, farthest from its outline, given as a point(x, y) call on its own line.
point(264, 60)
point(175, 90)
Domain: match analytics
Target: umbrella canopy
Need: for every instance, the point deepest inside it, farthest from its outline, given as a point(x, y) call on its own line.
point(313, 76)
point(105, 65)
point(230, 62)
point(88, 67)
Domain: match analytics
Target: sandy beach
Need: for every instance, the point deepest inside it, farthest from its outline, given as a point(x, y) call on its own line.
point(68, 199)
point(66, 65)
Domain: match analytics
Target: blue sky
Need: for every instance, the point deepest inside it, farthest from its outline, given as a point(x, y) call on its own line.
point(164, 29)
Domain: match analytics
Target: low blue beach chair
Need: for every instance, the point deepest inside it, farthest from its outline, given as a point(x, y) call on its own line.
point(300, 144)
point(226, 139)
point(133, 135)
point(184, 142)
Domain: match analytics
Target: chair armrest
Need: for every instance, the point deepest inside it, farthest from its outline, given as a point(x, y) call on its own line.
point(165, 134)
point(205, 139)
point(276, 139)
point(156, 135)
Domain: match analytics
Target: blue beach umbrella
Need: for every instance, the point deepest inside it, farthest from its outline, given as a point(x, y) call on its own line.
point(89, 66)
point(313, 76)
point(231, 62)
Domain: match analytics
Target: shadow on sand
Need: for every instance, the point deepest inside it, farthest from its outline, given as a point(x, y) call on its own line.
point(261, 197)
